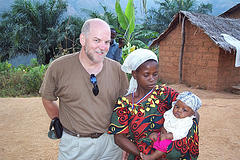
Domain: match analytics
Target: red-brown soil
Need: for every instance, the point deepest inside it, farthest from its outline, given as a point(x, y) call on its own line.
point(24, 126)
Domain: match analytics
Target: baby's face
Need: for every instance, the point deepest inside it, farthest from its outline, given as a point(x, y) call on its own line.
point(181, 110)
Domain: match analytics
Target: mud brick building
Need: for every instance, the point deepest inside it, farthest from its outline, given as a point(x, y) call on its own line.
point(193, 51)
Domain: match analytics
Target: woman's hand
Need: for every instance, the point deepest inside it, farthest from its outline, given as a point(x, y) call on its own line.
point(125, 144)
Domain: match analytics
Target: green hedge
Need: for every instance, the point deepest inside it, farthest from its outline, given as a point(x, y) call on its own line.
point(22, 80)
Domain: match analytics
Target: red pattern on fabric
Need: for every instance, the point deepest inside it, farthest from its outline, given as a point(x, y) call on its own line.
point(193, 146)
point(188, 144)
point(141, 124)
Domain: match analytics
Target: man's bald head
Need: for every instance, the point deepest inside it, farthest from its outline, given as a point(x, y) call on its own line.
point(93, 22)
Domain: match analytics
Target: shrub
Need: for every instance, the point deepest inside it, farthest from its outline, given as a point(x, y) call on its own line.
point(32, 80)
point(21, 80)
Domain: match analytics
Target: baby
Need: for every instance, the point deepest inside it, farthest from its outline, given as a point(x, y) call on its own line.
point(178, 122)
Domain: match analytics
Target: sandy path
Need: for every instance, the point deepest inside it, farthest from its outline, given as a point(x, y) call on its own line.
point(24, 126)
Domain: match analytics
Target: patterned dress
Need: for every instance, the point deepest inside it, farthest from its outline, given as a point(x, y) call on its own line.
point(147, 117)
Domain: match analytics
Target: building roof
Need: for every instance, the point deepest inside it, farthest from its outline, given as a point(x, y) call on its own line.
point(211, 25)
point(231, 10)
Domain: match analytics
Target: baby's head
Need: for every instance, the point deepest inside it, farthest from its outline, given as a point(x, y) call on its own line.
point(186, 105)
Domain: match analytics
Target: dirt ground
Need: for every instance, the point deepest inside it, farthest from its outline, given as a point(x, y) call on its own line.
point(24, 126)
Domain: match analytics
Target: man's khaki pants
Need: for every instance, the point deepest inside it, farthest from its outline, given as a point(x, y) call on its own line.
point(101, 148)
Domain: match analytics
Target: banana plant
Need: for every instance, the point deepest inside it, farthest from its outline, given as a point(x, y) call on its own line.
point(126, 19)
point(127, 22)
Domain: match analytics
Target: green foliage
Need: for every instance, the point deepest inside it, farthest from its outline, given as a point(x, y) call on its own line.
point(139, 39)
point(107, 16)
point(130, 14)
point(159, 19)
point(32, 79)
point(127, 19)
point(204, 8)
point(122, 18)
point(135, 36)
point(21, 80)
point(5, 67)
point(68, 40)
point(32, 28)
point(141, 36)
point(126, 50)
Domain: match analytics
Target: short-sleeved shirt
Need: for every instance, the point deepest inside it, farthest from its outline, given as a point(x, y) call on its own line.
point(80, 111)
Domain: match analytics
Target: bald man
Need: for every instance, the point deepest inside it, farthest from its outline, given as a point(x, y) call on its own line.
point(87, 85)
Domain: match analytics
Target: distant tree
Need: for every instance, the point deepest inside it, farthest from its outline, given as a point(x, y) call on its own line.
point(33, 28)
point(107, 15)
point(6, 34)
point(204, 8)
point(68, 39)
point(157, 19)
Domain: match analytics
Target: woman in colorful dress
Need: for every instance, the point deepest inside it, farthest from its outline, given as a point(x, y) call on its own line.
point(140, 112)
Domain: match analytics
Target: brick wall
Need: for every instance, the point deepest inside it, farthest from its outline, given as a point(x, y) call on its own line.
point(168, 61)
point(228, 74)
point(203, 62)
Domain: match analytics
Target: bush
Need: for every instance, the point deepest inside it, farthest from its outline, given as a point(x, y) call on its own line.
point(21, 80)
point(32, 80)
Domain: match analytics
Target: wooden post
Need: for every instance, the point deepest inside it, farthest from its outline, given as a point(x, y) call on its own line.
point(182, 51)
